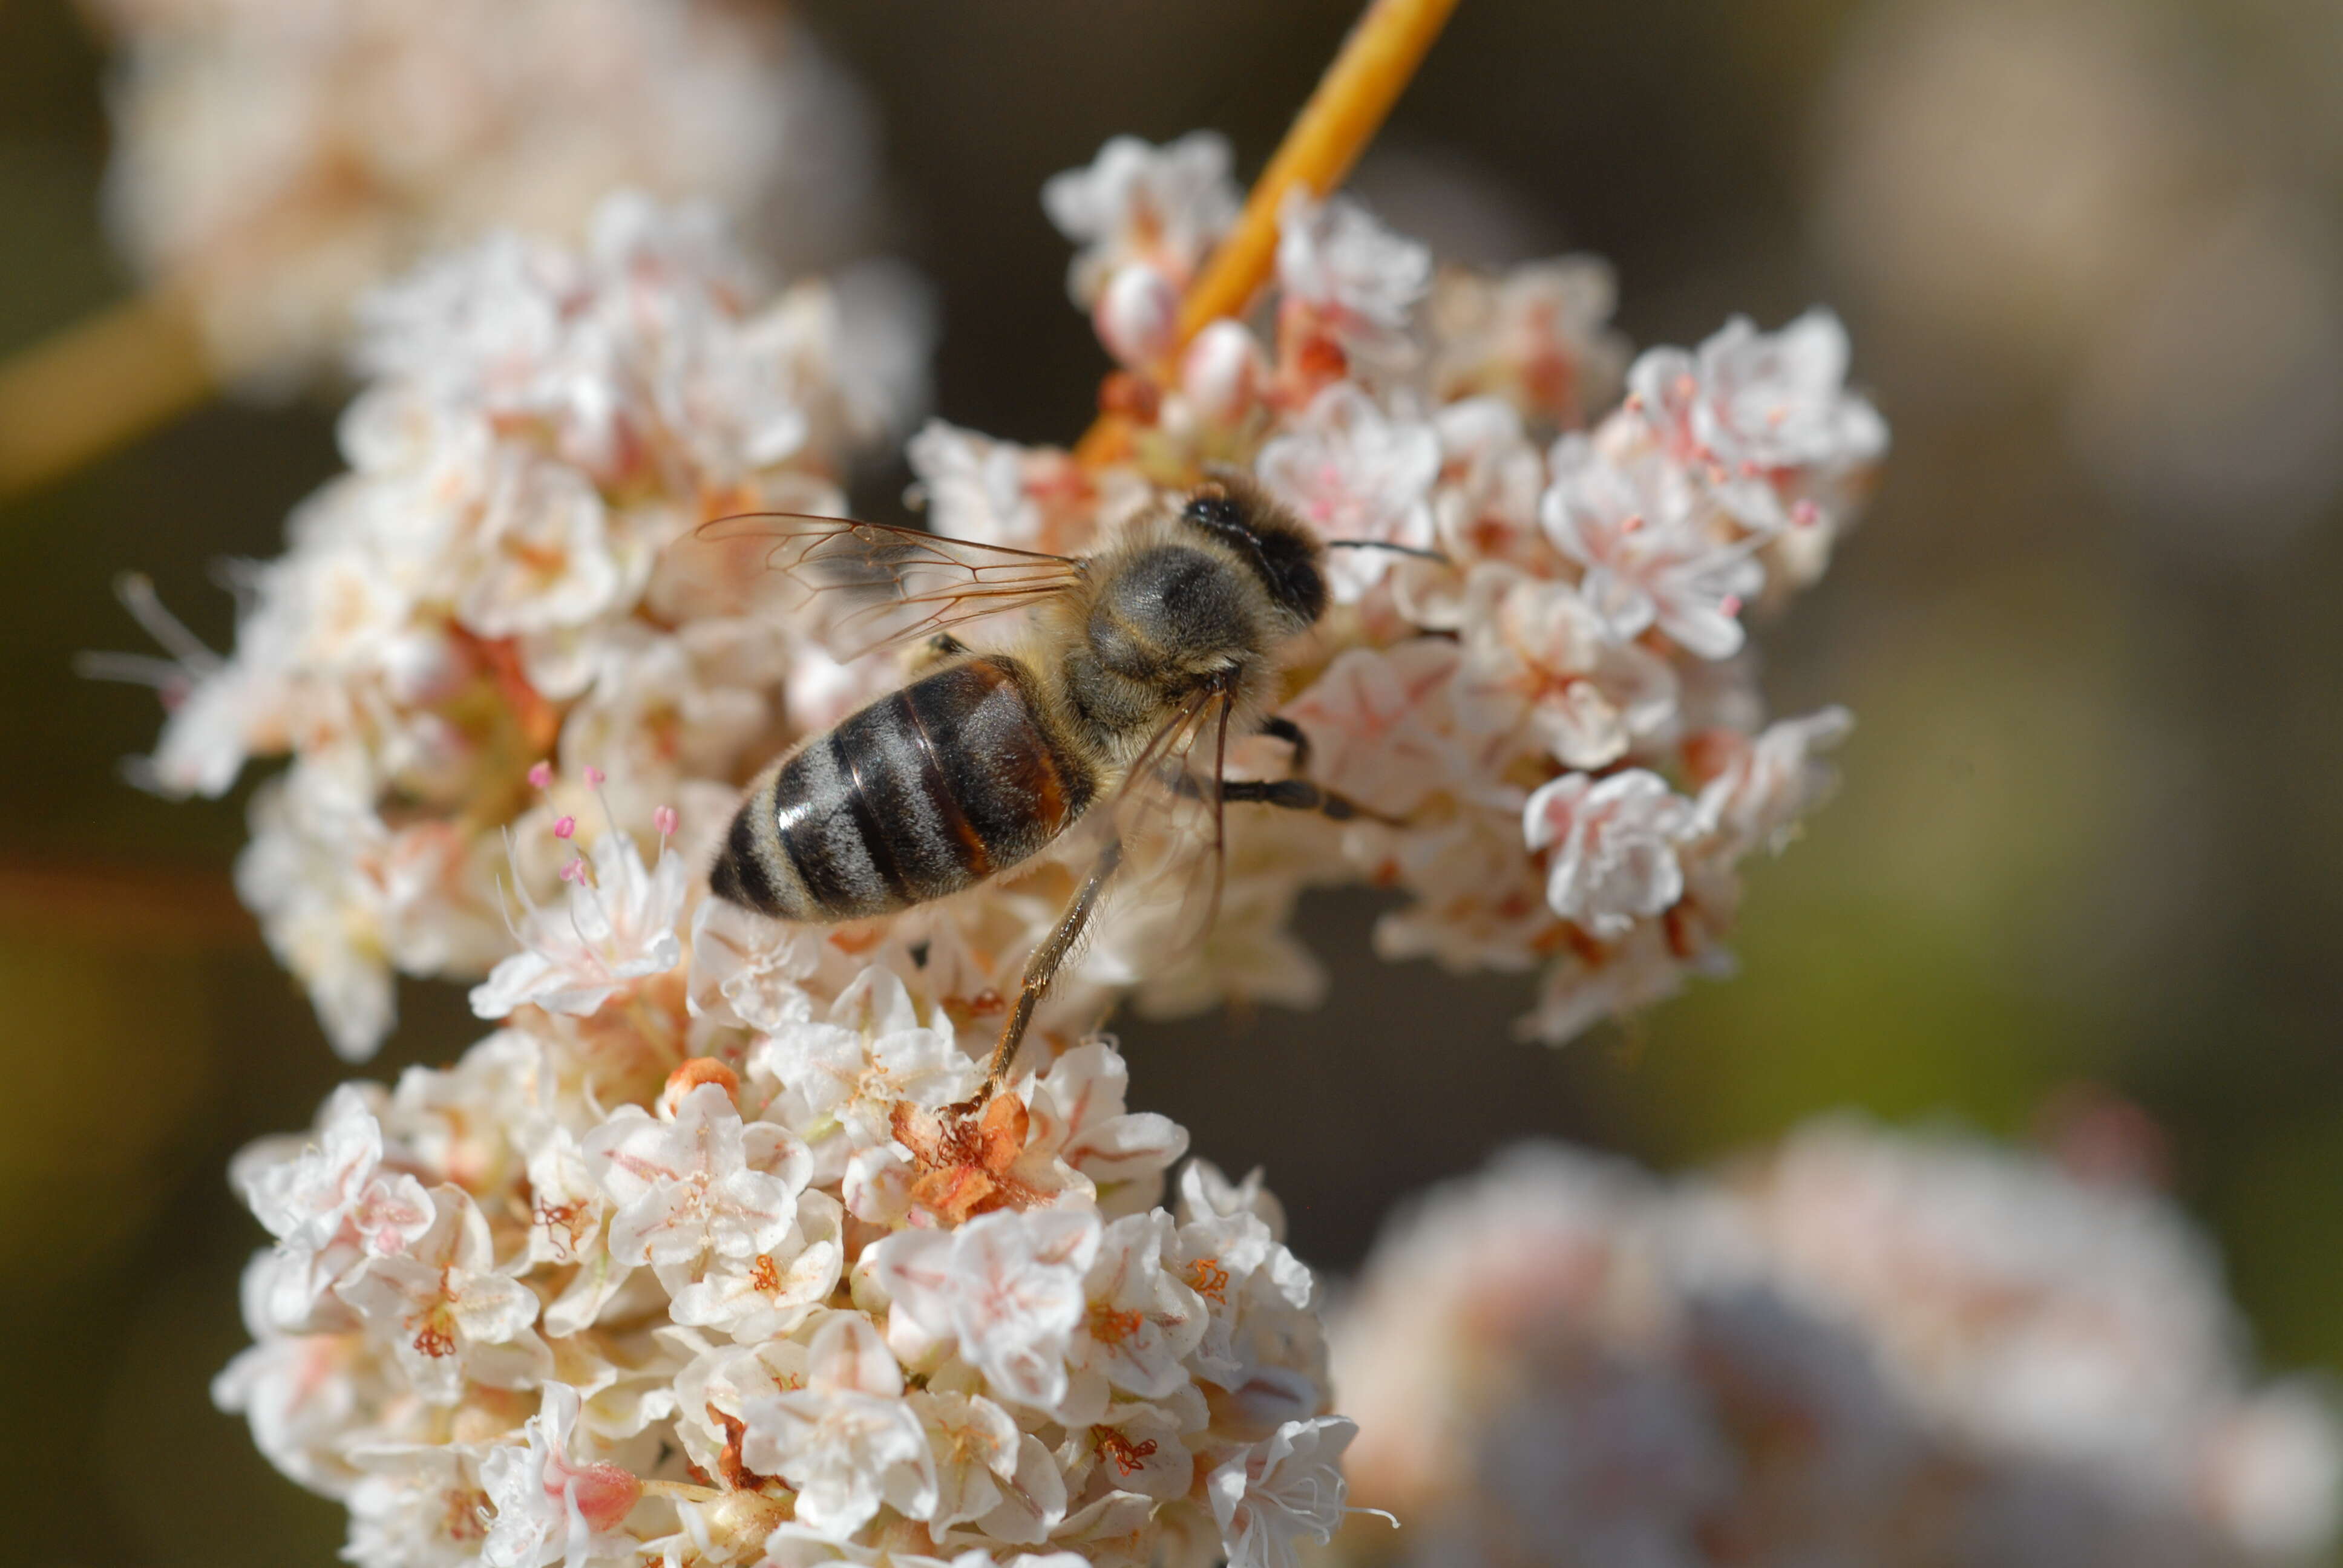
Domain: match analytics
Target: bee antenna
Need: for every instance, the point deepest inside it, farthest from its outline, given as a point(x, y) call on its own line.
point(1416, 550)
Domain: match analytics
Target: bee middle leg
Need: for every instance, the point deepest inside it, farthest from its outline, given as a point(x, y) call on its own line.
point(1279, 727)
point(1301, 795)
point(1042, 967)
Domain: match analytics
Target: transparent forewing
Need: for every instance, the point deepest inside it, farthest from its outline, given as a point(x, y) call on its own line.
point(1169, 818)
point(872, 585)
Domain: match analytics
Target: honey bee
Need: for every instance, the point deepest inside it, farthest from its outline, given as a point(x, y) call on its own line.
point(1132, 654)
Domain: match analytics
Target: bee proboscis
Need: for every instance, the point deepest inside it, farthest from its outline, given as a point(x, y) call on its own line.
point(1131, 656)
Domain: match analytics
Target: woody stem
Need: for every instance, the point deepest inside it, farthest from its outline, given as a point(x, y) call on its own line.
point(1376, 63)
point(99, 384)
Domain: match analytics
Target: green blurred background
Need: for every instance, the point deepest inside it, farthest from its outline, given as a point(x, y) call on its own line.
point(2088, 835)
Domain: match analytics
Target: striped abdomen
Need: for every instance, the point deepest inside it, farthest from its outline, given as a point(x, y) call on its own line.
point(925, 792)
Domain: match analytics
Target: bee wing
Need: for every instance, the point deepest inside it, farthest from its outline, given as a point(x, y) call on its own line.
point(879, 586)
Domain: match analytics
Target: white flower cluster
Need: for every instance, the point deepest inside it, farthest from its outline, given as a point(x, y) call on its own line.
point(275, 159)
point(1552, 693)
point(509, 574)
point(702, 1258)
point(1864, 1347)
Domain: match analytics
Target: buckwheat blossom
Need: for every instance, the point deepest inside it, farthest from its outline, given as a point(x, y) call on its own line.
point(1613, 856)
point(1345, 276)
point(509, 576)
point(750, 1290)
point(772, 1289)
point(1145, 217)
point(1534, 665)
point(274, 162)
point(1861, 1346)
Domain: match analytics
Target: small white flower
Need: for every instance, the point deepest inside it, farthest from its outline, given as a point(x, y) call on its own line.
point(749, 970)
point(1282, 1491)
point(1768, 414)
point(1140, 1322)
point(702, 1183)
point(1260, 1342)
point(1537, 654)
point(1005, 1288)
point(1642, 530)
point(1355, 473)
point(617, 925)
point(1223, 374)
point(1140, 1448)
point(1138, 315)
point(760, 1297)
point(1612, 847)
point(446, 1309)
point(1079, 1116)
point(549, 1507)
point(975, 1445)
point(1383, 726)
point(1770, 782)
point(1361, 279)
point(1636, 972)
point(848, 1442)
point(841, 1080)
point(1161, 206)
point(1539, 336)
point(1027, 497)
point(305, 1395)
point(416, 1505)
point(540, 551)
point(330, 1205)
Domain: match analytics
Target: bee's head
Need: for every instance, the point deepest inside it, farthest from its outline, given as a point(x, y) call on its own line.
point(1273, 541)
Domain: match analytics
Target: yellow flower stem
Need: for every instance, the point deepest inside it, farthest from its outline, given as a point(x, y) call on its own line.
point(1377, 62)
point(99, 384)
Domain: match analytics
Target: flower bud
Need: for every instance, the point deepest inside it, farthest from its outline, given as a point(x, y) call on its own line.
point(1137, 315)
point(1223, 374)
point(689, 1076)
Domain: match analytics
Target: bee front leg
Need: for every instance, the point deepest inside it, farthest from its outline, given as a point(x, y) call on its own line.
point(1042, 966)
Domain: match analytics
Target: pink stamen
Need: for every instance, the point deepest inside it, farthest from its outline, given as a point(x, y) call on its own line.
point(575, 872)
point(1805, 513)
point(1634, 525)
point(565, 827)
point(594, 776)
point(1730, 604)
point(540, 776)
point(664, 820)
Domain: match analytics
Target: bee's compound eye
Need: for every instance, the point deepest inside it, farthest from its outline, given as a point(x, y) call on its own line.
point(1212, 510)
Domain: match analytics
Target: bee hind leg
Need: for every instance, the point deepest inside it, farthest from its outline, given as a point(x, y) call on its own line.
point(1042, 967)
point(936, 652)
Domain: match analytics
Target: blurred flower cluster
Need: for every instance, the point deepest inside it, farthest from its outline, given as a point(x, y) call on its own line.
point(507, 575)
point(702, 1258)
point(276, 157)
point(1552, 690)
point(2135, 233)
point(1863, 1347)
